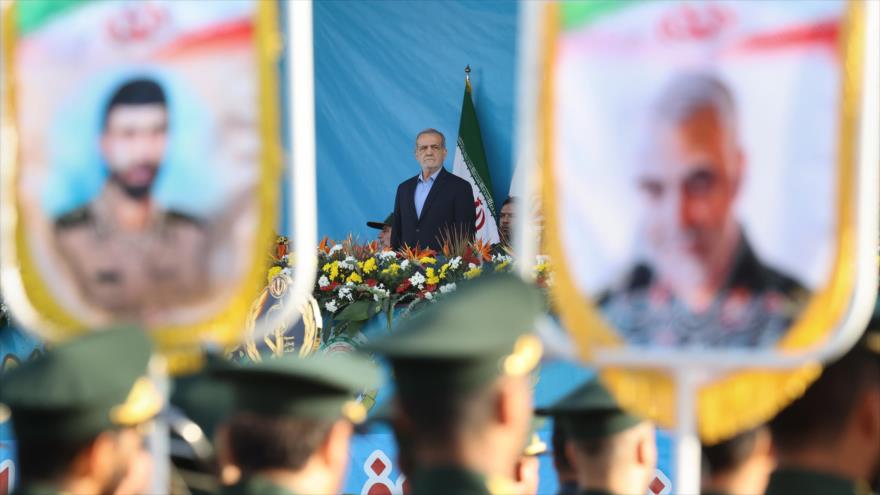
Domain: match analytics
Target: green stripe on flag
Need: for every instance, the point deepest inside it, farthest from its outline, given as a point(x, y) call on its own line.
point(33, 14)
point(575, 14)
point(470, 142)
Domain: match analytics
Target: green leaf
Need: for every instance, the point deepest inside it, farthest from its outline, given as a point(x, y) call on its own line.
point(358, 311)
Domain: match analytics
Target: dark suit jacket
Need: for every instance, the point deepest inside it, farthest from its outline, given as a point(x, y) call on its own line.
point(449, 206)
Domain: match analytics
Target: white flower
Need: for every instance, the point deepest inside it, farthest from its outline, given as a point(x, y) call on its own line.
point(455, 262)
point(445, 289)
point(404, 264)
point(349, 284)
point(386, 255)
point(345, 292)
point(429, 296)
point(323, 281)
point(335, 249)
point(379, 293)
point(471, 266)
point(417, 279)
point(331, 306)
point(500, 258)
point(348, 263)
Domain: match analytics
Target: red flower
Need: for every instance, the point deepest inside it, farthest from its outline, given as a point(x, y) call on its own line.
point(372, 282)
point(403, 286)
point(330, 287)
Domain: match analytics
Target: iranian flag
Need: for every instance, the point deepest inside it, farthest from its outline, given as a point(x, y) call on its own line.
point(470, 164)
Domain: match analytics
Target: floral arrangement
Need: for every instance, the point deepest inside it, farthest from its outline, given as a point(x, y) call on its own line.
point(358, 281)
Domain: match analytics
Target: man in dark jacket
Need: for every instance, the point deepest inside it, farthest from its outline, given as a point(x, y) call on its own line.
point(434, 204)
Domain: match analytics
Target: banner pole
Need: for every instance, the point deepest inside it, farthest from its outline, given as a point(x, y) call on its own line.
point(160, 433)
point(687, 443)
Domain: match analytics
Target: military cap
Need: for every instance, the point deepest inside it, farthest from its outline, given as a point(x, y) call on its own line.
point(476, 334)
point(81, 388)
point(382, 225)
point(203, 398)
point(590, 412)
point(314, 387)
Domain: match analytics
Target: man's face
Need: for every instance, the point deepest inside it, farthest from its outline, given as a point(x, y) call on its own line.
point(689, 182)
point(505, 222)
point(385, 237)
point(133, 145)
point(430, 151)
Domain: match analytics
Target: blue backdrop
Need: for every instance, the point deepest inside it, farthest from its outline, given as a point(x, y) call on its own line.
point(385, 70)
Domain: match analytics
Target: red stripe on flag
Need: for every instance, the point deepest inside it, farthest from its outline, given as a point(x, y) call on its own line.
point(823, 33)
point(231, 32)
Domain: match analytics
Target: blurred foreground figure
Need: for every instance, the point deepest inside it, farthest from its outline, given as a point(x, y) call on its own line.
point(612, 452)
point(527, 473)
point(291, 423)
point(828, 441)
point(740, 465)
point(464, 391)
point(78, 414)
point(565, 474)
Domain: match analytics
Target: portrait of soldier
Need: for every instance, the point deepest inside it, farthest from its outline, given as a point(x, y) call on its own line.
point(128, 255)
point(700, 282)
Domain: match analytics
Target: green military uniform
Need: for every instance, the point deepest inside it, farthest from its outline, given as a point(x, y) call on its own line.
point(480, 333)
point(133, 273)
point(78, 390)
point(319, 387)
point(255, 485)
point(791, 480)
point(589, 413)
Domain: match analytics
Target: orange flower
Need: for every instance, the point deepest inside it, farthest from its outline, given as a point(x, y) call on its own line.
point(416, 254)
point(325, 244)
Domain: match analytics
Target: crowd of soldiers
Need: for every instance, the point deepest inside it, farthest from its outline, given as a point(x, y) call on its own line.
point(462, 414)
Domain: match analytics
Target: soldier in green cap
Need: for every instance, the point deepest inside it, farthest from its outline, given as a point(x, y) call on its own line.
point(612, 451)
point(78, 413)
point(384, 235)
point(828, 440)
point(740, 465)
point(464, 389)
point(291, 422)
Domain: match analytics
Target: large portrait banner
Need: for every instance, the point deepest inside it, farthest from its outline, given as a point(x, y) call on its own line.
point(703, 193)
point(140, 165)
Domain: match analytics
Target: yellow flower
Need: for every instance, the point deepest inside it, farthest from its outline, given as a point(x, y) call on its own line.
point(443, 270)
point(392, 269)
point(427, 260)
point(326, 267)
point(360, 264)
point(500, 266)
point(542, 267)
point(354, 277)
point(473, 272)
point(334, 270)
point(370, 266)
point(430, 277)
point(273, 272)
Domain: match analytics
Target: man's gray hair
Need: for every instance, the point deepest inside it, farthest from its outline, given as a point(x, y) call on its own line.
point(431, 130)
point(686, 94)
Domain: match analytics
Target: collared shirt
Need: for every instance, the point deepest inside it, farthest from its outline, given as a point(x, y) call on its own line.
point(255, 485)
point(423, 187)
point(785, 481)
